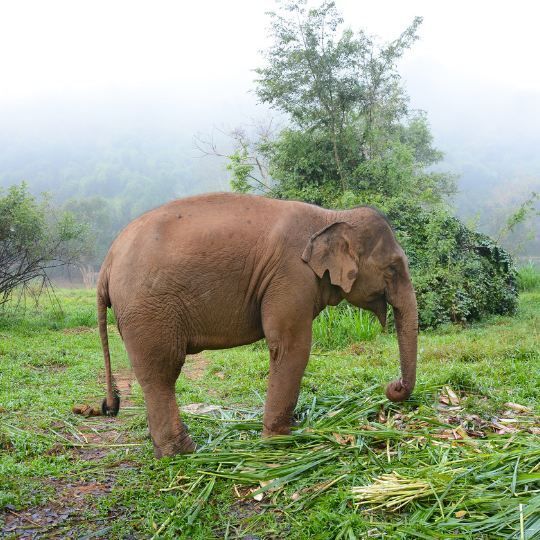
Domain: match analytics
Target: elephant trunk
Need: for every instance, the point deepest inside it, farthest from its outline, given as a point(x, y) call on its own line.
point(406, 318)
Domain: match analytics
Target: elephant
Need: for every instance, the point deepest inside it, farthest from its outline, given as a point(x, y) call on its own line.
point(220, 270)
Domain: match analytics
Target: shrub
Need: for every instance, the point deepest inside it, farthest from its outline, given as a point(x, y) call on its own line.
point(459, 275)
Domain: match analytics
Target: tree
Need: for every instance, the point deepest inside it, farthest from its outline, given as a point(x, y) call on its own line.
point(33, 239)
point(350, 125)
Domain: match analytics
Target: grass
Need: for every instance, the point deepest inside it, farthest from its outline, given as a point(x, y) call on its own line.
point(461, 459)
point(338, 327)
point(528, 277)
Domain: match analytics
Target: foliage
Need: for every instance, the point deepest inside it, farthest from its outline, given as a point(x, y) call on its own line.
point(459, 275)
point(352, 140)
point(350, 124)
point(34, 238)
point(65, 475)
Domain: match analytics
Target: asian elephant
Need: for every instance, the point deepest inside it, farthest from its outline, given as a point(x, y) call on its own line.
point(220, 270)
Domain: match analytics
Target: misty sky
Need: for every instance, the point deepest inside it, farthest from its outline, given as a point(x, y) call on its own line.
point(475, 69)
point(74, 48)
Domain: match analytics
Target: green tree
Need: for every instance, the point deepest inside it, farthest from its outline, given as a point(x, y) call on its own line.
point(350, 126)
point(34, 238)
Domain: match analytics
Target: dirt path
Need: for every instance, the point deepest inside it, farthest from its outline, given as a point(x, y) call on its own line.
point(195, 367)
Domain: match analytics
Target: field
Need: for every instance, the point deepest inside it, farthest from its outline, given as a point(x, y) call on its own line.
point(460, 459)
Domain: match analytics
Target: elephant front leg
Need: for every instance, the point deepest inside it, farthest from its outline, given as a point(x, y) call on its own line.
point(289, 354)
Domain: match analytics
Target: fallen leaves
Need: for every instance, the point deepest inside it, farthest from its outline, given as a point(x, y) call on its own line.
point(514, 419)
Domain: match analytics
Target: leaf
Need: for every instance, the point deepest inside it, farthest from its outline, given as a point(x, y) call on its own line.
point(344, 439)
point(452, 396)
point(200, 408)
point(517, 407)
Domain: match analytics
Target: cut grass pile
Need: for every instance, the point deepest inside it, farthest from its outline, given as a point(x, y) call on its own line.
point(392, 471)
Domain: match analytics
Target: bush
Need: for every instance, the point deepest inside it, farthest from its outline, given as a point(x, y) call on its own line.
point(459, 275)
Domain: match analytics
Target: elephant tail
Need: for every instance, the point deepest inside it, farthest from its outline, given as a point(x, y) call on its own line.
point(111, 404)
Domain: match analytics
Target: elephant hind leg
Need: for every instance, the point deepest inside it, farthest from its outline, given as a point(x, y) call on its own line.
point(157, 367)
point(167, 430)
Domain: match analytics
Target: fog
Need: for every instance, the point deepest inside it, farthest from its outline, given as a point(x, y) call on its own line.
point(112, 88)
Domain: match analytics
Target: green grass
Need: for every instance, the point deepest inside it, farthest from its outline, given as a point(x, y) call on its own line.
point(337, 327)
point(528, 277)
point(464, 470)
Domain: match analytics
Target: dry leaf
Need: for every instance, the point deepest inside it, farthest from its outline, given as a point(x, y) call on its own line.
point(444, 399)
point(517, 407)
point(454, 399)
point(344, 439)
point(199, 408)
point(460, 514)
point(461, 432)
point(502, 429)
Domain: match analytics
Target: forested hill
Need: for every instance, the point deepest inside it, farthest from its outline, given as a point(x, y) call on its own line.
point(135, 169)
point(135, 156)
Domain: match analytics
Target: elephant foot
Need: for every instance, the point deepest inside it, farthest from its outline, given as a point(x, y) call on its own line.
point(275, 431)
point(183, 445)
point(277, 424)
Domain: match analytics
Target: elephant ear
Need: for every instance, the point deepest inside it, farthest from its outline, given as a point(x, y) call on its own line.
point(332, 249)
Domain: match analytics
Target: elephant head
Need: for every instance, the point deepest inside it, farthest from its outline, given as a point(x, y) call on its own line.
point(363, 258)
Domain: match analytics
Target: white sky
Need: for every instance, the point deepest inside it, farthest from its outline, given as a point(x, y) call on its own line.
point(71, 48)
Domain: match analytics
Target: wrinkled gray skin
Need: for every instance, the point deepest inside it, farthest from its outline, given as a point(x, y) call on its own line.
point(221, 270)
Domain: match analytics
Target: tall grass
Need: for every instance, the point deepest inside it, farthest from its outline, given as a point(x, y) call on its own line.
point(339, 327)
point(528, 277)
